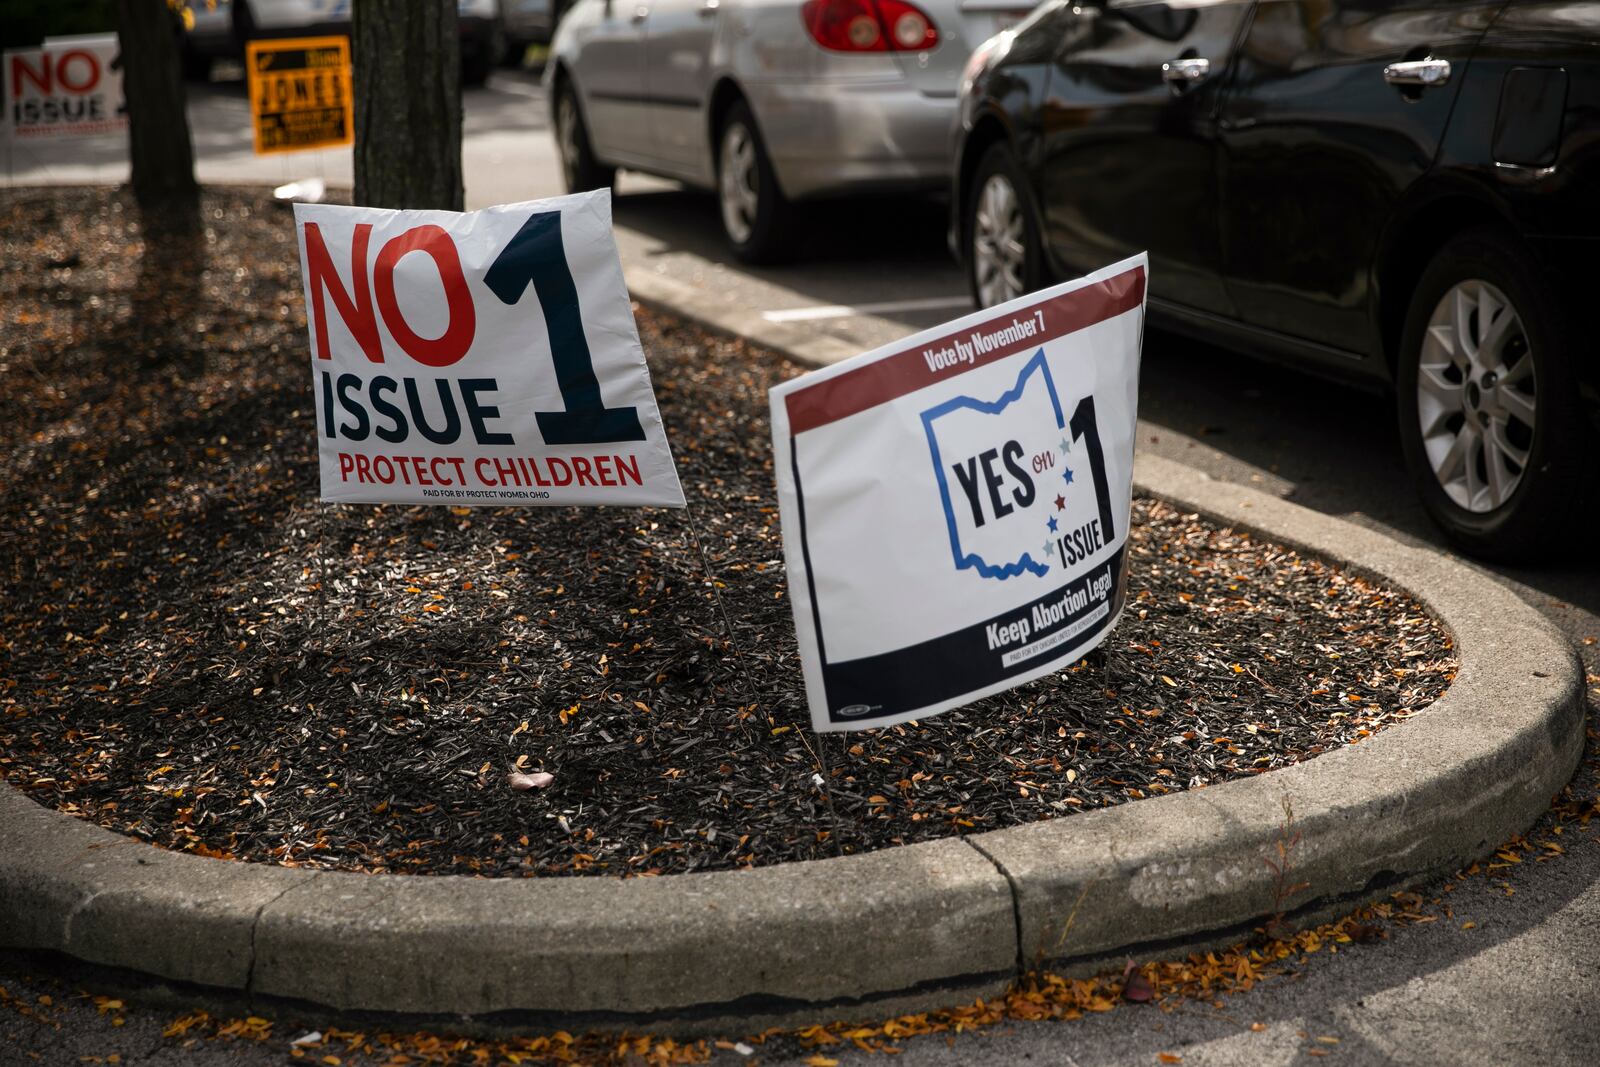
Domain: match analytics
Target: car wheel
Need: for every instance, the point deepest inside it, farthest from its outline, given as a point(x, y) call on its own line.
point(756, 216)
point(476, 68)
point(475, 71)
point(1003, 260)
point(1487, 402)
point(579, 166)
point(244, 25)
point(196, 65)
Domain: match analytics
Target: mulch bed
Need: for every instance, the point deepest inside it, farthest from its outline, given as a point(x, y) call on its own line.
point(197, 653)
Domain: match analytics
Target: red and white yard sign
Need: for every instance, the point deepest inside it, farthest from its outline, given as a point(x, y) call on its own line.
point(481, 358)
point(65, 89)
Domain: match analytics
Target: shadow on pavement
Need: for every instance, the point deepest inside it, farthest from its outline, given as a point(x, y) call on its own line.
point(1335, 444)
point(875, 249)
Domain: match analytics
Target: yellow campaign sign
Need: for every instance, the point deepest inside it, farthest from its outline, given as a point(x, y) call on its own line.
point(300, 93)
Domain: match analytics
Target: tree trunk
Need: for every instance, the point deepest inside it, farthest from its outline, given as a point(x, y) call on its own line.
point(408, 104)
point(160, 151)
point(161, 158)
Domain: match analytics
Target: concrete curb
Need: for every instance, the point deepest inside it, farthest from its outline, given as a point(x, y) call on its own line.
point(862, 936)
point(1424, 798)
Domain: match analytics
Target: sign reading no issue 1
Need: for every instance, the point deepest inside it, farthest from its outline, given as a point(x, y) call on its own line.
point(486, 358)
point(300, 93)
point(955, 506)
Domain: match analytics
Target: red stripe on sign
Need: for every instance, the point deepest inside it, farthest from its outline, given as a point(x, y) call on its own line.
point(907, 371)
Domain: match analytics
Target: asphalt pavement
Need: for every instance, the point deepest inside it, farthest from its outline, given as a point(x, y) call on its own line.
point(1521, 985)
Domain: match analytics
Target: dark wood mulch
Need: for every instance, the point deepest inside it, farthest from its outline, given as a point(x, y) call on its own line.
point(197, 653)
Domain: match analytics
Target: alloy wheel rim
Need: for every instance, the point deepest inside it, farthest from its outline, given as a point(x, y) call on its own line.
point(567, 131)
point(999, 252)
point(1477, 396)
point(738, 182)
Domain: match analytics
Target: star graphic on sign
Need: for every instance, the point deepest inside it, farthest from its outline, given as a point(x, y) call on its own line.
point(1066, 475)
point(1061, 503)
point(1052, 524)
point(1047, 547)
point(1066, 446)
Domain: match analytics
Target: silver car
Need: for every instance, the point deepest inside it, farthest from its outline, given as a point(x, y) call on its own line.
point(766, 101)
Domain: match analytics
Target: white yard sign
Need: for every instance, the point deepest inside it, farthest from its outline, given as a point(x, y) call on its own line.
point(480, 358)
point(955, 506)
point(68, 88)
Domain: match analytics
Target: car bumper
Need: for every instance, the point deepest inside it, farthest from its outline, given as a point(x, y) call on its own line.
point(479, 34)
point(276, 31)
point(531, 29)
point(827, 138)
point(533, 33)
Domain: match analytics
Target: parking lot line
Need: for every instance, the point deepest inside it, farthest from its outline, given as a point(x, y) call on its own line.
point(844, 311)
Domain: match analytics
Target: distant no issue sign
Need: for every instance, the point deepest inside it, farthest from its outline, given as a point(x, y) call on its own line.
point(480, 358)
point(955, 506)
point(69, 88)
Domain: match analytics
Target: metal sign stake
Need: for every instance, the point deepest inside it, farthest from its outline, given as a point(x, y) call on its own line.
point(710, 579)
point(827, 792)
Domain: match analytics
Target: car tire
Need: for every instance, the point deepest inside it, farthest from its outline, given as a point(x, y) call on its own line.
point(1488, 413)
point(484, 58)
point(196, 65)
point(756, 217)
point(475, 71)
point(579, 167)
point(244, 25)
point(1002, 250)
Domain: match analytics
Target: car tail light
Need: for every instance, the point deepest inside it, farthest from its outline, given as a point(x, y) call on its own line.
point(869, 25)
point(910, 29)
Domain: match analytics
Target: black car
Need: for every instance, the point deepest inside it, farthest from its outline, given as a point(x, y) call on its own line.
point(1404, 193)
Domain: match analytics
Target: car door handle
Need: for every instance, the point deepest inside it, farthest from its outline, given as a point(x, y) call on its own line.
point(1181, 72)
point(708, 8)
point(1418, 73)
point(640, 13)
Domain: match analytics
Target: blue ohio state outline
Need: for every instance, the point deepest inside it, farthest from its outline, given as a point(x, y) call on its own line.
point(966, 560)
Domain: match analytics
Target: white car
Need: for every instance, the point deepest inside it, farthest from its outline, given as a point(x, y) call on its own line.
point(766, 101)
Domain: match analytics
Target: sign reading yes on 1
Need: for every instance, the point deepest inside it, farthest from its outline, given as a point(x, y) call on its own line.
point(481, 358)
point(955, 506)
